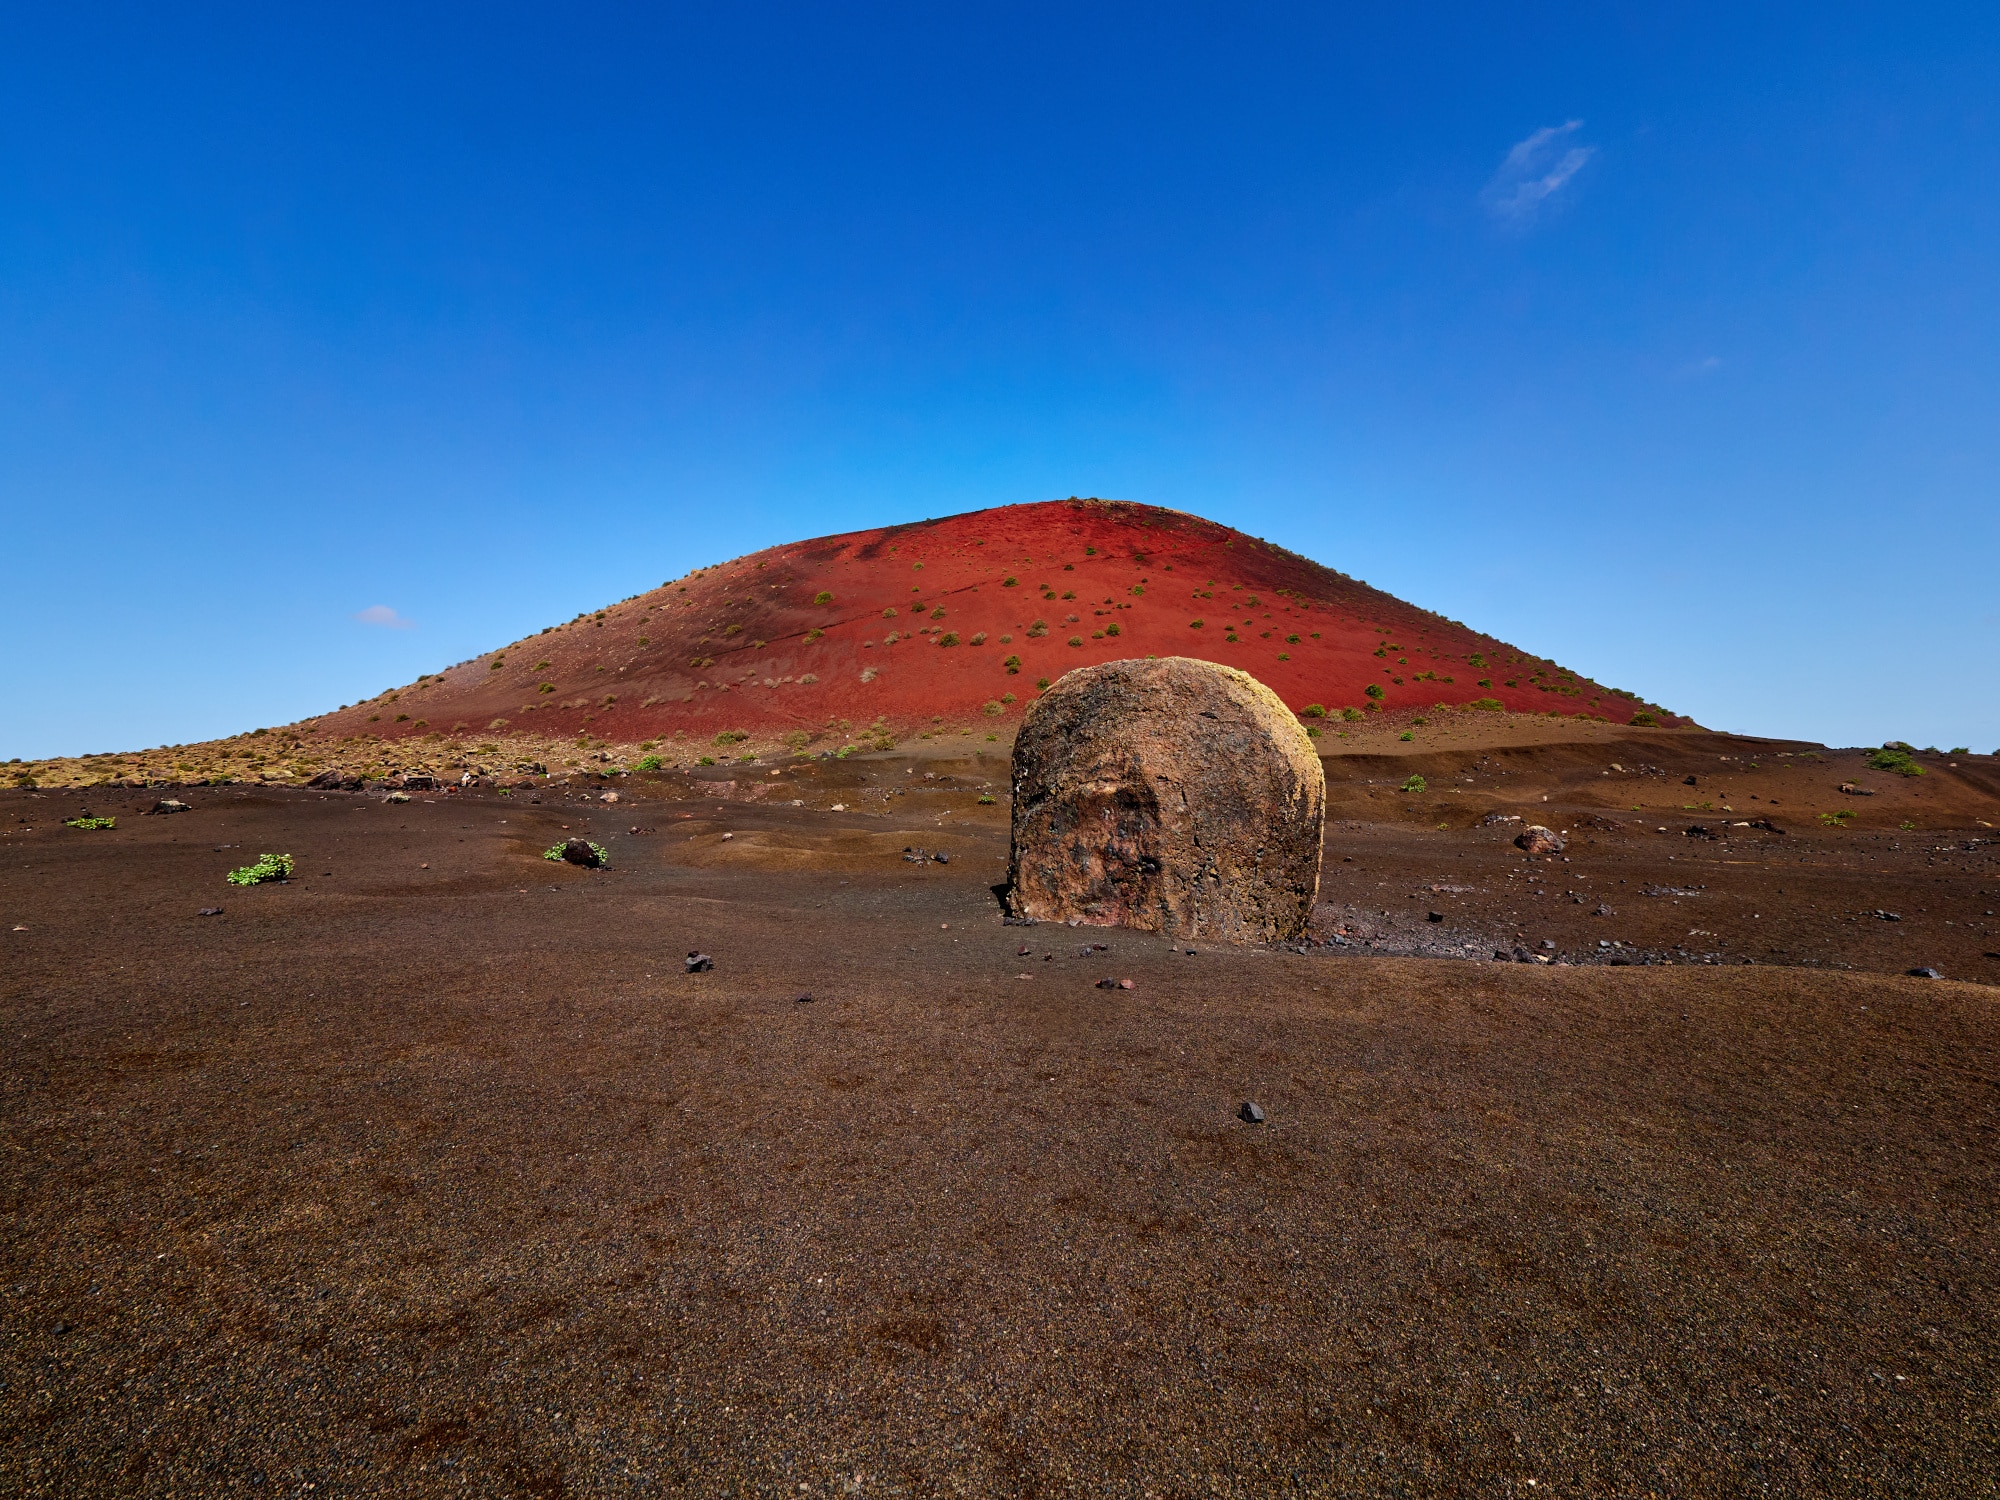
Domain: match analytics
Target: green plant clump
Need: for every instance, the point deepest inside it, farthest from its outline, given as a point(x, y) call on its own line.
point(1836, 819)
point(1313, 711)
point(268, 867)
point(90, 823)
point(1416, 784)
point(649, 763)
point(1889, 758)
point(603, 854)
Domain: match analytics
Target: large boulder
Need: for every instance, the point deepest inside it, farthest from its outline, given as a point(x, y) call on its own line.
point(1174, 796)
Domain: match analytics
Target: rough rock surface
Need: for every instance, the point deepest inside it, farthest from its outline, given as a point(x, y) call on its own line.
point(1174, 796)
point(1536, 839)
point(581, 852)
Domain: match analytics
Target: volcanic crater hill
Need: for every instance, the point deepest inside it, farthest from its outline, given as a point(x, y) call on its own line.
point(950, 620)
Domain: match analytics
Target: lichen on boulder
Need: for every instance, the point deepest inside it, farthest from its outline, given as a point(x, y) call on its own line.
point(1174, 796)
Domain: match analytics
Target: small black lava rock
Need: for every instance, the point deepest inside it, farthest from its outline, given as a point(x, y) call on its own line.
point(1250, 1114)
point(699, 963)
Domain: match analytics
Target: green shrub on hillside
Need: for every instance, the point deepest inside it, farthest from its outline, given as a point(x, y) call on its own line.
point(1891, 758)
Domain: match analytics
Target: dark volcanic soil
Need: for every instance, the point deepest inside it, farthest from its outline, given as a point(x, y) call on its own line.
point(432, 1172)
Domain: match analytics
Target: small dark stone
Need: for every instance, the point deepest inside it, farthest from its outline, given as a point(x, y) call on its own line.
point(60, 1329)
point(1549, 943)
point(1924, 974)
point(805, 999)
point(1251, 1114)
point(1523, 956)
point(1602, 911)
point(1436, 916)
point(581, 852)
point(699, 963)
point(167, 805)
point(209, 911)
point(1688, 782)
point(941, 857)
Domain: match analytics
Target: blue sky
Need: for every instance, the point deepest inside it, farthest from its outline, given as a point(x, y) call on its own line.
point(1664, 341)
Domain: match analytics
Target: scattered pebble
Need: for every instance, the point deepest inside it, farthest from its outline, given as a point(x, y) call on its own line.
point(1250, 1114)
point(699, 963)
point(1924, 974)
point(206, 911)
point(805, 999)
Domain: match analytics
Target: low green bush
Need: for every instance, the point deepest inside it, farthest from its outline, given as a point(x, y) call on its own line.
point(1890, 758)
point(268, 867)
point(1415, 783)
point(90, 823)
point(649, 763)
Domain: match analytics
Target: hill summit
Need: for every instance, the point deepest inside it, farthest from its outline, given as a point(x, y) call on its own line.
point(887, 632)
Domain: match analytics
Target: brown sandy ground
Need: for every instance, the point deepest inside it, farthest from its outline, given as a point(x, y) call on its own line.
point(396, 1180)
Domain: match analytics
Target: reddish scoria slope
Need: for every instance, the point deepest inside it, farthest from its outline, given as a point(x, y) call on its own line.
point(943, 620)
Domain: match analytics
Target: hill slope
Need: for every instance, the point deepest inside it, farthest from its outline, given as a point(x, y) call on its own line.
point(939, 621)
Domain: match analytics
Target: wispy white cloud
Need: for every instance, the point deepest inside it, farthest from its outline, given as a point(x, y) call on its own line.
point(382, 614)
point(1535, 170)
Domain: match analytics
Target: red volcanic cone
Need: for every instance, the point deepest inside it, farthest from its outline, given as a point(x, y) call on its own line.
point(943, 620)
